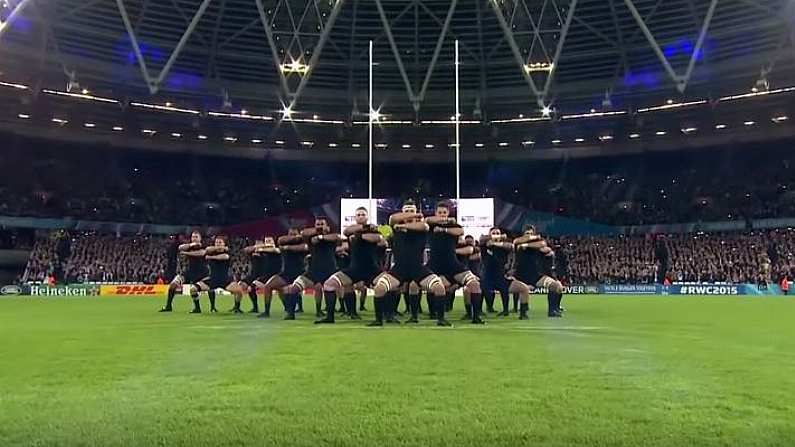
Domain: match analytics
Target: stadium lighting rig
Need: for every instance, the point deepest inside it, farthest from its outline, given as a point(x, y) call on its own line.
point(660, 133)
point(60, 121)
point(749, 123)
point(117, 128)
point(604, 138)
point(779, 119)
point(539, 67)
point(89, 125)
point(295, 66)
point(479, 145)
point(556, 141)
point(356, 145)
point(230, 139)
point(634, 135)
point(688, 130)
point(23, 116)
point(201, 137)
point(720, 126)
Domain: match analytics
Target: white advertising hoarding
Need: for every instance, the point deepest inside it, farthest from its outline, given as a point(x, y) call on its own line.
point(475, 215)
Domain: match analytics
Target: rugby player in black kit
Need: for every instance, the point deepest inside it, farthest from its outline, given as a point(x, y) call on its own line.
point(217, 257)
point(495, 250)
point(410, 235)
point(266, 261)
point(294, 250)
point(444, 235)
point(322, 262)
point(532, 261)
point(195, 271)
point(363, 240)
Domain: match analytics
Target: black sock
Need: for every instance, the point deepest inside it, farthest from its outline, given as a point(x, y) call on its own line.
point(350, 303)
point(406, 303)
point(170, 298)
point(551, 302)
point(289, 303)
point(362, 300)
point(344, 305)
point(419, 303)
point(489, 296)
point(431, 306)
point(524, 308)
point(252, 295)
point(476, 301)
point(298, 300)
point(319, 305)
point(196, 304)
point(441, 303)
point(558, 300)
point(378, 303)
point(468, 308)
point(449, 301)
point(267, 307)
point(515, 301)
point(331, 304)
point(506, 301)
point(395, 303)
point(414, 305)
point(211, 295)
point(388, 305)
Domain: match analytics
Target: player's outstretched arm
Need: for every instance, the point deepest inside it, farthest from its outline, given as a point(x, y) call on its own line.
point(399, 218)
point(421, 227)
point(373, 238)
point(218, 257)
point(467, 250)
point(287, 239)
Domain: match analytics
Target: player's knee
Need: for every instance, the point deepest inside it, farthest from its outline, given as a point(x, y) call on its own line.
point(414, 289)
point(332, 284)
point(473, 286)
point(556, 287)
point(437, 288)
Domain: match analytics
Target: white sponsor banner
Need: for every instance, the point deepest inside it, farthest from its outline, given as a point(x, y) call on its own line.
point(348, 211)
point(476, 216)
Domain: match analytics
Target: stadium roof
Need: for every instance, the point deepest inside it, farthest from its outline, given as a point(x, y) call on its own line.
point(515, 54)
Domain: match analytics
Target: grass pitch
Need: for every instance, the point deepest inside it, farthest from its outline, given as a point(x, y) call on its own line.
point(616, 371)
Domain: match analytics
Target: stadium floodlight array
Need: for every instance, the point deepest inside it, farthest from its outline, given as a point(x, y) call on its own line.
point(536, 67)
point(670, 104)
point(84, 95)
point(757, 94)
point(521, 120)
point(164, 108)
point(13, 85)
point(241, 115)
point(593, 114)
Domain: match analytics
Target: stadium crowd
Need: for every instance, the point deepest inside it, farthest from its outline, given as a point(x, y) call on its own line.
point(199, 190)
point(695, 257)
